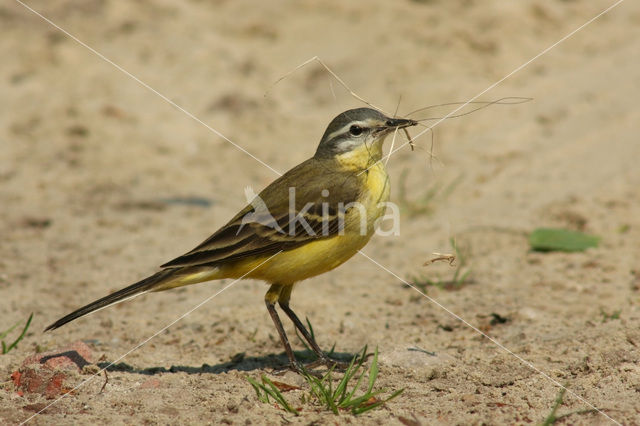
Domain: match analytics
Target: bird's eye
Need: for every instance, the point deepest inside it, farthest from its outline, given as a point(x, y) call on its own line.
point(355, 130)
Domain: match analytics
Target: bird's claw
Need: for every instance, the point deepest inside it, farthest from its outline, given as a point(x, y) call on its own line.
point(310, 368)
point(331, 364)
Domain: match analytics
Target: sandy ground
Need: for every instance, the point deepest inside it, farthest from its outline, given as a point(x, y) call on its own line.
point(95, 170)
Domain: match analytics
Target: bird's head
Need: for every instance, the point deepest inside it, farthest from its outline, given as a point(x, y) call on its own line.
point(360, 130)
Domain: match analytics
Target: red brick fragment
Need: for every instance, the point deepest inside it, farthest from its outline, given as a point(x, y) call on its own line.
point(45, 373)
point(15, 377)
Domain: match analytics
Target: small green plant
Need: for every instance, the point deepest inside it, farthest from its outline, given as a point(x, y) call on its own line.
point(461, 274)
point(551, 418)
point(334, 397)
point(459, 277)
point(343, 398)
point(6, 348)
point(610, 316)
point(267, 390)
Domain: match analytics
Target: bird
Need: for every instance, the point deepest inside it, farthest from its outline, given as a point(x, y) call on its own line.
point(307, 222)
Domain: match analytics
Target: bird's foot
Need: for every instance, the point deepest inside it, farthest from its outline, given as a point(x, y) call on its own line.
point(331, 364)
point(311, 367)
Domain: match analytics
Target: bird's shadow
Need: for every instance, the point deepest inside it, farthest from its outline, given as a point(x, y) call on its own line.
point(238, 362)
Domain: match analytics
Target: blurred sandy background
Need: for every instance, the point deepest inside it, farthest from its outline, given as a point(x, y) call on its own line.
point(95, 172)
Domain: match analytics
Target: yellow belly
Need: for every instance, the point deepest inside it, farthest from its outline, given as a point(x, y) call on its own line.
point(288, 267)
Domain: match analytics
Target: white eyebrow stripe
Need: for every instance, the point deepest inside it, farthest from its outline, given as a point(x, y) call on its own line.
point(339, 131)
point(345, 129)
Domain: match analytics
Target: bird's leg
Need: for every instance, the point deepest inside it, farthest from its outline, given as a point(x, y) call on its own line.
point(323, 359)
point(270, 300)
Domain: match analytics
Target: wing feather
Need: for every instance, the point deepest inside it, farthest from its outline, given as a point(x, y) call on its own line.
point(265, 229)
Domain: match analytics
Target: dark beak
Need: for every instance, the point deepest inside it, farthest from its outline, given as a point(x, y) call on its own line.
point(399, 123)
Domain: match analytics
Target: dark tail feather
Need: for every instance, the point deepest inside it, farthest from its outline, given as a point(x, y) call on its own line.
point(141, 286)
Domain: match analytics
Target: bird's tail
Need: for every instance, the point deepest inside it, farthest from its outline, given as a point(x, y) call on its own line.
point(158, 281)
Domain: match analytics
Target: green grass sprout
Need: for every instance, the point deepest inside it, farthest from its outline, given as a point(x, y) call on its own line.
point(341, 397)
point(6, 348)
point(610, 316)
point(551, 418)
point(461, 274)
point(267, 389)
point(354, 392)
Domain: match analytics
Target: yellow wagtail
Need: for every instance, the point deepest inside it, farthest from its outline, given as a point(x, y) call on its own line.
point(307, 222)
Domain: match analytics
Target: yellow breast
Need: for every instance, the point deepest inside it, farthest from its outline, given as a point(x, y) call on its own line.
point(366, 163)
